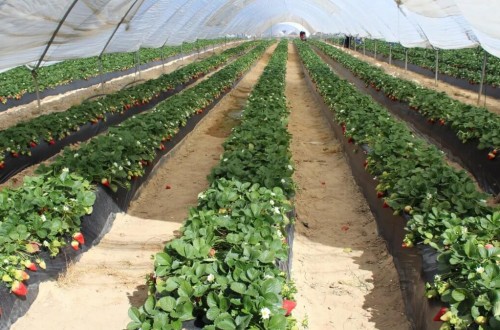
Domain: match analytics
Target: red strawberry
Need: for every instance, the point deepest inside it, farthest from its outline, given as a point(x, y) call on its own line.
point(33, 144)
point(442, 122)
point(168, 186)
point(385, 205)
point(2, 165)
point(380, 194)
point(79, 238)
point(488, 246)
point(491, 156)
point(52, 142)
point(350, 140)
point(162, 147)
point(105, 182)
point(30, 265)
point(441, 312)
point(289, 305)
point(495, 151)
point(74, 245)
point(15, 154)
point(19, 289)
point(211, 253)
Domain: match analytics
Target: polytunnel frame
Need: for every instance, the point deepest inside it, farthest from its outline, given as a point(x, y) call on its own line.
point(51, 40)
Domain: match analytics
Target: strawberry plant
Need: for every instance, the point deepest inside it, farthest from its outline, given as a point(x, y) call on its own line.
point(258, 152)
point(42, 214)
point(222, 270)
point(119, 156)
point(16, 82)
point(461, 63)
point(19, 139)
point(469, 122)
point(445, 209)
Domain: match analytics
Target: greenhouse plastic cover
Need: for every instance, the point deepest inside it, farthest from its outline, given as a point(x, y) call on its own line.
point(83, 28)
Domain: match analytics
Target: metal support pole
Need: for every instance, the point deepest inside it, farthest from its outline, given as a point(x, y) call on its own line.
point(355, 45)
point(481, 84)
point(364, 47)
point(34, 74)
point(162, 58)
point(437, 67)
point(137, 64)
point(390, 54)
point(101, 73)
point(375, 55)
point(406, 59)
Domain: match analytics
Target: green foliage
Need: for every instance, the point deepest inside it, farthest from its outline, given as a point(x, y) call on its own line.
point(16, 82)
point(222, 270)
point(469, 122)
point(19, 139)
point(258, 149)
point(42, 213)
point(120, 155)
point(448, 213)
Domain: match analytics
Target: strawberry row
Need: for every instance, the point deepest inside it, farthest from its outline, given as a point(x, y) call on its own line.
point(461, 63)
point(23, 137)
point(18, 81)
point(446, 210)
point(120, 156)
point(47, 208)
point(468, 122)
point(222, 270)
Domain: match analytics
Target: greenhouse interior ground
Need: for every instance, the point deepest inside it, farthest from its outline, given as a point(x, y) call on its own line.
point(275, 171)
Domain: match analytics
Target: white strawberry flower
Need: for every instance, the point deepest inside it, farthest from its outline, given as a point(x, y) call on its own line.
point(265, 313)
point(43, 218)
point(480, 270)
point(211, 278)
point(65, 208)
point(290, 167)
point(65, 170)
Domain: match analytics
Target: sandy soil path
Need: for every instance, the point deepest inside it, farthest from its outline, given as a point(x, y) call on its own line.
point(343, 272)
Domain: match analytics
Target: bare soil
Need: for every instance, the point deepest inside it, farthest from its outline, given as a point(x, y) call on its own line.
point(344, 275)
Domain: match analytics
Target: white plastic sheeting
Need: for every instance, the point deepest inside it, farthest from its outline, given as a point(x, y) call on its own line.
point(94, 26)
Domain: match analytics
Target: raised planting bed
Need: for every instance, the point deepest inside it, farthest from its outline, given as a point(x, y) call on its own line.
point(445, 211)
point(414, 104)
point(222, 272)
point(33, 141)
point(461, 67)
point(117, 158)
point(96, 224)
point(17, 86)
